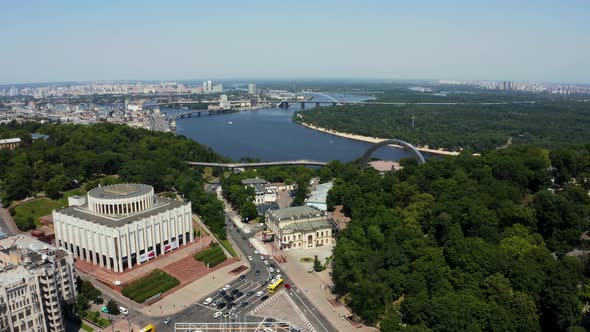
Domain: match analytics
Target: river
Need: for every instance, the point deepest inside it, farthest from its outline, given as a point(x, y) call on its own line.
point(271, 135)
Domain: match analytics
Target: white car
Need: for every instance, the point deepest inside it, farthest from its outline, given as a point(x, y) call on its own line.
point(271, 270)
point(249, 258)
point(255, 252)
point(260, 293)
point(226, 287)
point(208, 301)
point(278, 270)
point(123, 311)
point(278, 276)
point(262, 257)
point(265, 262)
point(217, 314)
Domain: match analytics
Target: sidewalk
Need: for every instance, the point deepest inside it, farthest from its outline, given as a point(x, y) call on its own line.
point(316, 287)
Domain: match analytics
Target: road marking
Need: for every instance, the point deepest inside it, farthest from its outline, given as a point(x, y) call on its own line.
point(317, 319)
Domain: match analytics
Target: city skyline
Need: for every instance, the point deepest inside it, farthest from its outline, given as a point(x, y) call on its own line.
point(537, 41)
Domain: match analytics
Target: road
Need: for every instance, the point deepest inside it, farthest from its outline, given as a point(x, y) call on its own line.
point(252, 283)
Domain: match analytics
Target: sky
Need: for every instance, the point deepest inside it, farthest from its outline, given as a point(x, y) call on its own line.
point(58, 40)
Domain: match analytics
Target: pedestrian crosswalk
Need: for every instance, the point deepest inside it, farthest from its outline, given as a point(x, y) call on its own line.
point(283, 295)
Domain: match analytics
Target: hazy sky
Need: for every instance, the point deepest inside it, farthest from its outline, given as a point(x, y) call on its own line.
point(55, 40)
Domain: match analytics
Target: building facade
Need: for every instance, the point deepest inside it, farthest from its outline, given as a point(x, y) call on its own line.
point(123, 225)
point(263, 194)
point(37, 281)
point(10, 143)
point(300, 227)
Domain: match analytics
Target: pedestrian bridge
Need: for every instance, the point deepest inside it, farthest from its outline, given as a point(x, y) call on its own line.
point(301, 162)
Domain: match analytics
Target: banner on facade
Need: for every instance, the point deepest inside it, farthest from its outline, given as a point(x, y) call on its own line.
point(171, 246)
point(147, 256)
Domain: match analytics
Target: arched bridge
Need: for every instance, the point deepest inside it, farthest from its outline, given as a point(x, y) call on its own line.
point(303, 162)
point(407, 146)
point(260, 164)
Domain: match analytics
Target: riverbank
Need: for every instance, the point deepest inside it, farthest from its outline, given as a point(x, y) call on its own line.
point(375, 140)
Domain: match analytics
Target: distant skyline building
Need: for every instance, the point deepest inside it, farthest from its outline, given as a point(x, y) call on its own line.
point(252, 89)
point(208, 86)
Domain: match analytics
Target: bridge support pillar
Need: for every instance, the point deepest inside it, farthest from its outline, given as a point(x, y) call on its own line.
point(198, 113)
point(302, 106)
point(333, 104)
point(317, 104)
point(210, 112)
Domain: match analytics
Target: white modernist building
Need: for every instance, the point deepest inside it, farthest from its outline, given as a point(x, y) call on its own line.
point(123, 225)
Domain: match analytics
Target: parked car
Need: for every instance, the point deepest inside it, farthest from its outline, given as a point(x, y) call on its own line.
point(250, 245)
point(288, 286)
point(226, 287)
point(271, 270)
point(243, 304)
point(104, 309)
point(265, 262)
point(264, 298)
point(262, 257)
point(242, 277)
point(278, 276)
point(217, 314)
point(123, 311)
point(244, 238)
point(167, 320)
point(257, 272)
point(208, 301)
point(234, 291)
point(221, 305)
point(250, 293)
point(222, 292)
point(272, 265)
point(226, 314)
point(255, 252)
point(260, 293)
point(249, 258)
point(239, 294)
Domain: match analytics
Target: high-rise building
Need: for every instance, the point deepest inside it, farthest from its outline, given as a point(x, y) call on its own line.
point(204, 87)
point(37, 281)
point(208, 86)
point(252, 89)
point(122, 225)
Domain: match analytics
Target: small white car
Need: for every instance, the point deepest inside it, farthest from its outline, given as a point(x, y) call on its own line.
point(226, 287)
point(278, 270)
point(260, 293)
point(262, 257)
point(208, 301)
point(249, 258)
point(278, 276)
point(123, 311)
point(217, 314)
point(271, 270)
point(255, 252)
point(265, 262)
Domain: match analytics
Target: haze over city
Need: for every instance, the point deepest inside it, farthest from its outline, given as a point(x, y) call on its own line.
point(49, 41)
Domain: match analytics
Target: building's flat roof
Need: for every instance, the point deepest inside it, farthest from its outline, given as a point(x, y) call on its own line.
point(296, 212)
point(10, 140)
point(122, 190)
point(254, 181)
point(25, 241)
point(13, 275)
point(320, 194)
point(114, 221)
point(308, 226)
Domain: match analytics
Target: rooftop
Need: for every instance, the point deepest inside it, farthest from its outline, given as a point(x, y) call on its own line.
point(82, 212)
point(308, 226)
point(253, 181)
point(320, 194)
point(123, 190)
point(10, 140)
point(296, 212)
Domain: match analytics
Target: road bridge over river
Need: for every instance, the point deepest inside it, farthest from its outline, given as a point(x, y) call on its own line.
point(301, 162)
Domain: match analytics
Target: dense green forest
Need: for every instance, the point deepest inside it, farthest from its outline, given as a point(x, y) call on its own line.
point(454, 127)
point(466, 243)
point(77, 154)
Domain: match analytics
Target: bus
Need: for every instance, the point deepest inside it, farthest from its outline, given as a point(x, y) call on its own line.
point(275, 285)
point(148, 328)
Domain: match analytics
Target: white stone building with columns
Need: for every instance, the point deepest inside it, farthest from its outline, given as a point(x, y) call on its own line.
point(122, 225)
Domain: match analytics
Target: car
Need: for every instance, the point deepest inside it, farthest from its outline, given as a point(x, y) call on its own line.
point(264, 298)
point(270, 319)
point(257, 272)
point(250, 245)
point(272, 265)
point(239, 294)
point(104, 309)
point(221, 305)
point(265, 282)
point(208, 301)
point(271, 270)
point(123, 311)
point(250, 293)
point(255, 252)
point(217, 314)
point(295, 329)
point(215, 303)
point(288, 286)
point(234, 291)
point(262, 257)
point(278, 276)
point(167, 320)
point(265, 262)
point(270, 277)
point(260, 293)
point(267, 329)
point(230, 305)
point(226, 314)
point(277, 270)
point(222, 292)
point(242, 277)
point(237, 230)
point(243, 304)
point(249, 258)
point(226, 287)
point(244, 238)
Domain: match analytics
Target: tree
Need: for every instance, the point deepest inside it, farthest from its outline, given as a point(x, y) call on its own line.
point(113, 307)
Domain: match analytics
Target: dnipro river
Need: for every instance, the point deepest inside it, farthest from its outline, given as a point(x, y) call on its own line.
point(270, 135)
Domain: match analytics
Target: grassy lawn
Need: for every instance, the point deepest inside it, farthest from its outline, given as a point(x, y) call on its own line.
point(42, 206)
point(86, 328)
point(156, 282)
point(229, 248)
point(254, 221)
point(306, 259)
point(212, 256)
